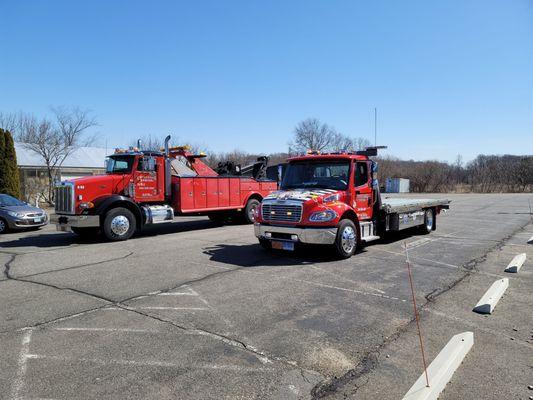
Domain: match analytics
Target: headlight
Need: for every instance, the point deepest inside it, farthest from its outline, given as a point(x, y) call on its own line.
point(16, 214)
point(323, 216)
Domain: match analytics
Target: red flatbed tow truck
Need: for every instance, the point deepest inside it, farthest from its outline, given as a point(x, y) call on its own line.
point(334, 199)
point(151, 187)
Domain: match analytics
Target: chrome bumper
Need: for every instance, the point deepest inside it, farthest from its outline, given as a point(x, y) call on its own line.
point(305, 235)
point(65, 222)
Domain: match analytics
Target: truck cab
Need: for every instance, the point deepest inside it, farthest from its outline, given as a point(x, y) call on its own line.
point(334, 199)
point(151, 187)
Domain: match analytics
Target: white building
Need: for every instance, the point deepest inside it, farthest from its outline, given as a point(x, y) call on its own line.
point(33, 173)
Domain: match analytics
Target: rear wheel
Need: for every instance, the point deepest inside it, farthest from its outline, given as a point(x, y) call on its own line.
point(429, 221)
point(119, 224)
point(346, 240)
point(3, 226)
point(250, 209)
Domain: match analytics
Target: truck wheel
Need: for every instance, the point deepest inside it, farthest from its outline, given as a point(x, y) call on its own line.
point(85, 232)
point(249, 211)
point(346, 240)
point(429, 220)
point(119, 224)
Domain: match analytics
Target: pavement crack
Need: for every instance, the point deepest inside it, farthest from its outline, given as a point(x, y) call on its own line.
point(78, 266)
point(203, 332)
point(9, 277)
point(370, 359)
point(7, 266)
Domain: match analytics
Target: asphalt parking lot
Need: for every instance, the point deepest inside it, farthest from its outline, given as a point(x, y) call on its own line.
point(194, 311)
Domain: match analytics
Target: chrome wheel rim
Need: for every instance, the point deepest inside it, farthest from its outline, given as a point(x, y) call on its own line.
point(2, 226)
point(429, 220)
point(251, 213)
point(348, 239)
point(120, 225)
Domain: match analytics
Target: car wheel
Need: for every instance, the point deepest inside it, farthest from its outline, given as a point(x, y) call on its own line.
point(249, 211)
point(346, 240)
point(119, 224)
point(3, 226)
point(429, 220)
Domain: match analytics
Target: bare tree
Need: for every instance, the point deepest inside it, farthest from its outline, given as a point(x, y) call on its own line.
point(311, 134)
point(54, 140)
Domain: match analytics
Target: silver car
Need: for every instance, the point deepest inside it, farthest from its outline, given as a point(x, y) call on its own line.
point(16, 214)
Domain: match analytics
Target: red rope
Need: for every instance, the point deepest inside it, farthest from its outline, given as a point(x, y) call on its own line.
point(417, 318)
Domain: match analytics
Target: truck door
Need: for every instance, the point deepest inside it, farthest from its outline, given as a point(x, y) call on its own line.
point(147, 179)
point(363, 191)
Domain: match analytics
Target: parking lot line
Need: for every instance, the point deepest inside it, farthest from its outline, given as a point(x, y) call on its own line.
point(170, 308)
point(18, 383)
point(162, 364)
point(75, 329)
point(349, 290)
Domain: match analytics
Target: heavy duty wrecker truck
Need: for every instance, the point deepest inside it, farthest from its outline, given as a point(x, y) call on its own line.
point(334, 199)
point(151, 187)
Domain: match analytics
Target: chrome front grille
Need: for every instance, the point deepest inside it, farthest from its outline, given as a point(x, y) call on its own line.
point(276, 212)
point(64, 198)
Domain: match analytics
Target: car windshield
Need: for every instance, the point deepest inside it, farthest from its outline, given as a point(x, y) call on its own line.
point(316, 174)
point(7, 200)
point(119, 164)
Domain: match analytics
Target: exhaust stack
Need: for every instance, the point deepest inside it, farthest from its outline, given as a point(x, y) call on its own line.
point(167, 139)
point(168, 177)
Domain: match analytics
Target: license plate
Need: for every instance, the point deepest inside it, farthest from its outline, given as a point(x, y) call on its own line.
point(37, 220)
point(283, 245)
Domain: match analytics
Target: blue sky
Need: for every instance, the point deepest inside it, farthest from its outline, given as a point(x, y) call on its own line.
point(448, 77)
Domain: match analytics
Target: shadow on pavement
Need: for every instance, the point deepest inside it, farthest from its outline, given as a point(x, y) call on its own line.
point(58, 239)
point(253, 255)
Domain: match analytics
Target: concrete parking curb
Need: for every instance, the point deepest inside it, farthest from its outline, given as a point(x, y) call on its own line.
point(441, 370)
point(516, 263)
point(491, 297)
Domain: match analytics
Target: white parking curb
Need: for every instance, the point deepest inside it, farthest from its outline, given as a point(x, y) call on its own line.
point(440, 371)
point(516, 263)
point(491, 297)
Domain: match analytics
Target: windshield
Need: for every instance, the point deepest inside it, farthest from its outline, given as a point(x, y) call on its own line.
point(6, 201)
point(119, 164)
point(316, 174)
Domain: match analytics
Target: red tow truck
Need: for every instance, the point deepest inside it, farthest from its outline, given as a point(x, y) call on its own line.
point(334, 199)
point(151, 187)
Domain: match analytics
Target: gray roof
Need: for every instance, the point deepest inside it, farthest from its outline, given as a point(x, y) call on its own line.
point(84, 157)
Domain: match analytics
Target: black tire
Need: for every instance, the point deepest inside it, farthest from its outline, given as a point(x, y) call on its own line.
point(429, 221)
point(265, 244)
point(347, 240)
point(86, 232)
point(119, 224)
point(249, 211)
point(4, 227)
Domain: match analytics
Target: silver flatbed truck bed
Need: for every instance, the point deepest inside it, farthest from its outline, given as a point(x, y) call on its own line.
point(404, 205)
